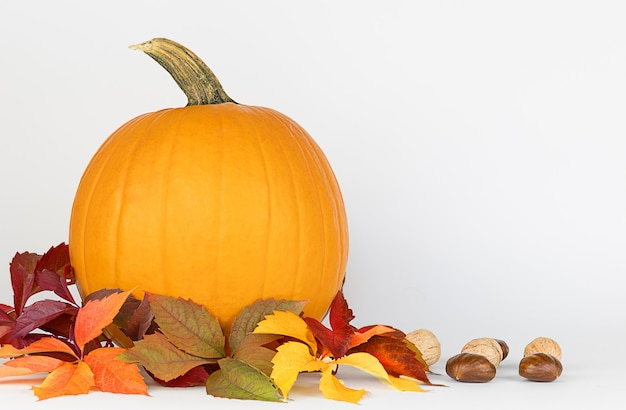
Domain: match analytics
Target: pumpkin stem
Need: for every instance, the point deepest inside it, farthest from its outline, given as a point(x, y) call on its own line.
point(194, 77)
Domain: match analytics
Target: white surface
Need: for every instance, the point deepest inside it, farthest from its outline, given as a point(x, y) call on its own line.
point(480, 147)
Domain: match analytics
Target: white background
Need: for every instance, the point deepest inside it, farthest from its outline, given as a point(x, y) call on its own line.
point(480, 147)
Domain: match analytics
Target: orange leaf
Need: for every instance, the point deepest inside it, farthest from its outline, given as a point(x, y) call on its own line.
point(35, 364)
point(362, 337)
point(115, 376)
point(95, 316)
point(8, 371)
point(68, 379)
point(45, 345)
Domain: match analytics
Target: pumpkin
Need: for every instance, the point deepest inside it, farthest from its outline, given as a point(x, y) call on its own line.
point(217, 202)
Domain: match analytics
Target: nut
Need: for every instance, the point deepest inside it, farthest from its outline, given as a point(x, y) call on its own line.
point(427, 343)
point(471, 368)
point(485, 346)
point(543, 345)
point(540, 367)
point(504, 347)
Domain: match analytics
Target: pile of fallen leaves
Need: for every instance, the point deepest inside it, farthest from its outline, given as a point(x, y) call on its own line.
point(177, 342)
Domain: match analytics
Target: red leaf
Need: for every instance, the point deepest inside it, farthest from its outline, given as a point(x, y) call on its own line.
point(55, 259)
point(338, 339)
point(22, 269)
point(38, 314)
point(340, 314)
point(5, 318)
point(396, 357)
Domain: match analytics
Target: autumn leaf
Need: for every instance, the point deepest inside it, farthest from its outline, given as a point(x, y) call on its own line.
point(251, 315)
point(238, 380)
point(22, 269)
point(134, 317)
point(45, 345)
point(68, 379)
point(161, 358)
point(95, 316)
point(115, 376)
point(370, 364)
point(396, 356)
point(53, 272)
point(194, 377)
point(252, 351)
point(363, 335)
point(332, 388)
point(287, 324)
point(140, 320)
point(189, 326)
point(25, 365)
point(291, 359)
point(31, 273)
point(38, 314)
point(9, 371)
point(338, 338)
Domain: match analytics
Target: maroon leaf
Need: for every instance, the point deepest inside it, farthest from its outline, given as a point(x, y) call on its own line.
point(5, 318)
point(50, 280)
point(55, 259)
point(100, 294)
point(140, 321)
point(60, 326)
point(194, 377)
point(22, 269)
point(38, 314)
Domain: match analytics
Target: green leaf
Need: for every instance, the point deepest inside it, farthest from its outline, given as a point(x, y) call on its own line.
point(237, 380)
point(252, 351)
point(161, 358)
point(188, 325)
point(251, 315)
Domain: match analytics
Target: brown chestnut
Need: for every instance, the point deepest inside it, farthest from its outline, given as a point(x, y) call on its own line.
point(471, 368)
point(540, 367)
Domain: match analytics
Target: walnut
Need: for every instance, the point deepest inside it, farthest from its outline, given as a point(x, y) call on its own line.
point(427, 343)
point(485, 346)
point(543, 345)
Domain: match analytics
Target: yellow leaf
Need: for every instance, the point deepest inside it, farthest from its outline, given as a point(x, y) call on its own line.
point(67, 379)
point(370, 364)
point(365, 362)
point(405, 384)
point(332, 388)
point(287, 324)
point(291, 359)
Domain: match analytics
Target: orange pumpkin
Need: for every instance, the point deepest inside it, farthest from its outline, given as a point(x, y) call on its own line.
point(218, 202)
